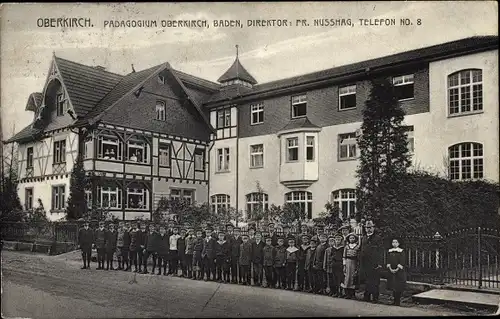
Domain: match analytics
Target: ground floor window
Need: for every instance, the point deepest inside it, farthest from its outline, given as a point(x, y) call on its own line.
point(58, 197)
point(109, 197)
point(302, 199)
point(28, 198)
point(184, 194)
point(137, 198)
point(256, 201)
point(345, 200)
point(220, 202)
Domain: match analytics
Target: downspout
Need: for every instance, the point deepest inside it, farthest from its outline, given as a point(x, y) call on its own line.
point(237, 156)
point(211, 145)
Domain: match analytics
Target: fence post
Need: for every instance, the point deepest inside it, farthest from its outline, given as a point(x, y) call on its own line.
point(479, 257)
point(438, 238)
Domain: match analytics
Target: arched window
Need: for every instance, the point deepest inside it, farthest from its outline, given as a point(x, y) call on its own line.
point(302, 199)
point(466, 161)
point(465, 91)
point(219, 202)
point(345, 200)
point(257, 201)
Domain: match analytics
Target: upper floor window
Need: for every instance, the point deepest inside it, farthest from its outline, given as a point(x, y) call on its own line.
point(299, 105)
point(410, 138)
point(60, 151)
point(257, 201)
point(161, 111)
point(109, 147)
point(465, 92)
point(184, 194)
point(137, 198)
point(199, 159)
point(292, 149)
point(88, 148)
point(164, 155)
point(302, 199)
point(347, 97)
point(224, 118)
point(310, 148)
point(58, 197)
point(60, 104)
point(257, 113)
point(29, 157)
point(345, 200)
point(28, 198)
point(137, 151)
point(220, 202)
point(257, 155)
point(403, 86)
point(347, 146)
point(466, 161)
point(223, 159)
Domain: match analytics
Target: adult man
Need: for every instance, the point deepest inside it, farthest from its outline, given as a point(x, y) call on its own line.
point(272, 233)
point(100, 243)
point(85, 242)
point(235, 255)
point(371, 262)
point(111, 238)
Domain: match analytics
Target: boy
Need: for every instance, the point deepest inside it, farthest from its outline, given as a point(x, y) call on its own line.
point(126, 246)
point(208, 254)
point(245, 259)
point(222, 251)
point(269, 253)
point(304, 231)
point(134, 245)
point(235, 256)
point(174, 253)
point(287, 235)
point(301, 263)
point(181, 249)
point(85, 242)
point(279, 264)
point(291, 264)
point(141, 243)
point(272, 233)
point(199, 242)
point(188, 257)
point(337, 252)
point(151, 248)
point(257, 256)
point(162, 247)
point(100, 243)
point(309, 269)
point(319, 259)
point(251, 234)
point(119, 244)
point(111, 237)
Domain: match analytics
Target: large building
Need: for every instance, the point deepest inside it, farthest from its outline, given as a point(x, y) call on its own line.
point(161, 132)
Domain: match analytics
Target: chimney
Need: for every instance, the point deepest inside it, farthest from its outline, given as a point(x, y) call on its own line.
point(100, 67)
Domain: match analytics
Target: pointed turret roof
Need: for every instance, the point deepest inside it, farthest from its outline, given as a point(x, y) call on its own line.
point(237, 72)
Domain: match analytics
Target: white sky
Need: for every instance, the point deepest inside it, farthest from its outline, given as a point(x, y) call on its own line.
point(267, 53)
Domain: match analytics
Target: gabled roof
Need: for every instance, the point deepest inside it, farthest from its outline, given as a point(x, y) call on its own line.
point(34, 101)
point(196, 81)
point(237, 72)
point(86, 85)
point(27, 133)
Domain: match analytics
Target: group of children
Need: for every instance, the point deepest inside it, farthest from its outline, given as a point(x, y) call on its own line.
point(320, 264)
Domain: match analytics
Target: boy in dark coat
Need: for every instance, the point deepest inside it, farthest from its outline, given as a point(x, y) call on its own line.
point(199, 242)
point(208, 255)
point(272, 233)
point(126, 247)
point(181, 251)
point(222, 251)
point(151, 248)
point(163, 250)
point(141, 243)
point(100, 243)
point(269, 253)
point(301, 263)
point(310, 271)
point(85, 242)
point(188, 256)
point(257, 258)
point(319, 259)
point(291, 264)
point(134, 245)
point(245, 259)
point(280, 264)
point(111, 237)
point(287, 235)
point(235, 256)
point(333, 264)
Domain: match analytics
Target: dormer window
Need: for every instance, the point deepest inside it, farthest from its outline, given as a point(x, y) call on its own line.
point(299, 106)
point(60, 104)
point(161, 111)
point(161, 79)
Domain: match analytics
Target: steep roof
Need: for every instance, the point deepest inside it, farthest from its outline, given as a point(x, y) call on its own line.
point(86, 85)
point(34, 101)
point(237, 72)
point(302, 122)
point(26, 134)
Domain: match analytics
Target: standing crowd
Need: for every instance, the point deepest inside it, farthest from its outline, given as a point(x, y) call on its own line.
point(327, 262)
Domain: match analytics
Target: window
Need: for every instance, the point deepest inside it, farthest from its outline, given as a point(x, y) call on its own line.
point(29, 157)
point(137, 151)
point(58, 200)
point(109, 196)
point(292, 145)
point(164, 155)
point(347, 97)
point(161, 79)
point(257, 201)
point(257, 113)
point(224, 118)
point(310, 148)
point(466, 161)
point(60, 151)
point(220, 202)
point(223, 159)
point(60, 104)
point(299, 106)
point(137, 198)
point(403, 86)
point(410, 138)
point(347, 146)
point(161, 111)
point(184, 194)
point(28, 198)
point(465, 92)
point(257, 155)
point(110, 147)
point(88, 198)
point(303, 200)
point(345, 200)
point(88, 149)
point(199, 159)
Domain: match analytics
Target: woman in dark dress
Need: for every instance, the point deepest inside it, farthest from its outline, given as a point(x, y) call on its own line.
point(397, 274)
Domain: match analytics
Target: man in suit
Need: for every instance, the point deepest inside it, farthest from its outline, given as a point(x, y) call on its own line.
point(100, 243)
point(235, 255)
point(257, 258)
point(208, 254)
point(371, 255)
point(111, 239)
point(85, 242)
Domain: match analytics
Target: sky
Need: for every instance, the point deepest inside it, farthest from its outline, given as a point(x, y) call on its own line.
point(268, 53)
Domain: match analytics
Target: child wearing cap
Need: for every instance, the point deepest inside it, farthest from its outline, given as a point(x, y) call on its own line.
point(337, 252)
point(245, 260)
point(280, 264)
point(174, 252)
point(141, 243)
point(208, 254)
point(319, 258)
point(111, 236)
point(119, 244)
point(222, 252)
point(291, 264)
point(188, 256)
point(126, 247)
point(272, 233)
point(199, 242)
point(269, 253)
point(257, 258)
point(134, 245)
point(151, 247)
point(350, 265)
point(309, 269)
point(163, 250)
point(236, 276)
point(100, 243)
point(181, 251)
point(85, 242)
point(303, 280)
